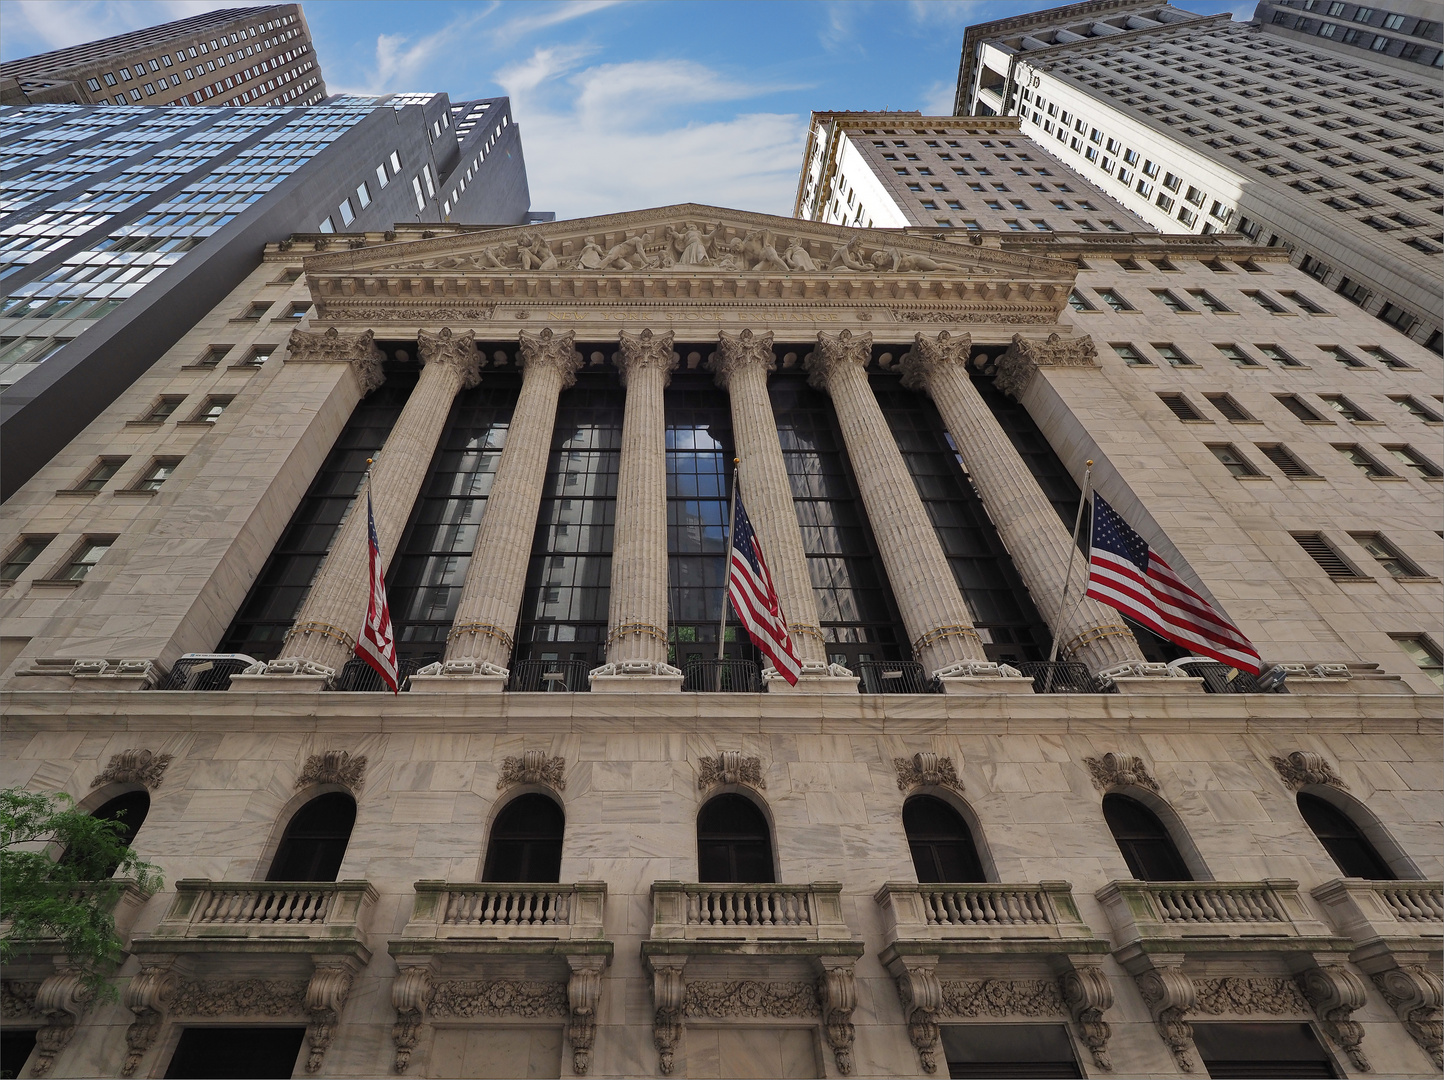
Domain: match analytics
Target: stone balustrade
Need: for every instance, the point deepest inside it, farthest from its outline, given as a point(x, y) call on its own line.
point(967, 910)
point(446, 909)
point(1364, 910)
point(1141, 910)
point(327, 910)
point(688, 911)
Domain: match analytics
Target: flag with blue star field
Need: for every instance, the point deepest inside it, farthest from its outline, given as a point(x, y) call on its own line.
point(750, 588)
point(1125, 574)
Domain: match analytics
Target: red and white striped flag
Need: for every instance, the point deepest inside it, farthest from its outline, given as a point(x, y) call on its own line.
point(749, 586)
point(1125, 574)
point(377, 643)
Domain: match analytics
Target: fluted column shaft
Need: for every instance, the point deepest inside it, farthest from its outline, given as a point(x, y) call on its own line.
point(1037, 540)
point(742, 364)
point(637, 611)
point(933, 610)
point(496, 578)
point(325, 630)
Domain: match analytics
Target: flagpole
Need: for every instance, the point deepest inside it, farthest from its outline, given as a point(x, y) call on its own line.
point(1068, 577)
point(727, 571)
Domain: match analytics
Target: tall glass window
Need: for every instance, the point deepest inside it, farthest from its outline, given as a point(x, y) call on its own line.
point(855, 604)
point(279, 590)
point(564, 607)
point(1002, 610)
point(428, 574)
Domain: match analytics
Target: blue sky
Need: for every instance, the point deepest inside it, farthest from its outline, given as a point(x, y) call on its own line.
point(622, 105)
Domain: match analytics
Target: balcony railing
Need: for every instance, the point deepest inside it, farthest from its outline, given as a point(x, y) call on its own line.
point(727, 676)
point(446, 909)
point(1182, 909)
point(549, 676)
point(1222, 679)
point(895, 677)
point(357, 676)
point(206, 671)
point(1062, 677)
point(1369, 910)
point(265, 910)
point(747, 912)
point(961, 911)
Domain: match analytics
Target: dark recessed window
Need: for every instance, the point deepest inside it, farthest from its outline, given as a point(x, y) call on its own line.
point(206, 1052)
point(1254, 1050)
point(526, 841)
point(941, 842)
point(86, 556)
point(1146, 846)
point(315, 840)
point(1343, 840)
point(98, 476)
point(25, 553)
point(128, 811)
point(734, 843)
point(1012, 1050)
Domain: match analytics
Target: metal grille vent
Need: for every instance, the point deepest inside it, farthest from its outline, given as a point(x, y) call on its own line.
point(1286, 462)
point(1180, 406)
point(1319, 550)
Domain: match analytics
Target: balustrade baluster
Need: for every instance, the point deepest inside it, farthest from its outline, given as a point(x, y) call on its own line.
point(951, 907)
point(1165, 898)
point(208, 905)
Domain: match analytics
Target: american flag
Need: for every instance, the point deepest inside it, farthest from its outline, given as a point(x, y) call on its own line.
point(749, 585)
point(1123, 573)
point(377, 644)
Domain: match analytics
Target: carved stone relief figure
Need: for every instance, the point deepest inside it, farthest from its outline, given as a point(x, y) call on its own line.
point(533, 767)
point(333, 767)
point(730, 767)
point(134, 767)
point(1303, 768)
point(929, 769)
point(798, 258)
point(1120, 770)
point(848, 256)
point(535, 252)
point(591, 255)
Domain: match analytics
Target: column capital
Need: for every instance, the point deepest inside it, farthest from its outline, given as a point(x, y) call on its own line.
point(640, 352)
point(1025, 356)
point(330, 346)
point(836, 351)
point(453, 350)
point(550, 349)
point(737, 352)
point(926, 358)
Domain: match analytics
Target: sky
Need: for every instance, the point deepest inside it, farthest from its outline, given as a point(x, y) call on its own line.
point(622, 104)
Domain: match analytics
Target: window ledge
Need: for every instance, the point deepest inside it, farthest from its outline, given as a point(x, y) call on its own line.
point(195, 423)
point(1320, 423)
point(68, 583)
point(76, 491)
point(1397, 479)
point(242, 366)
point(1249, 421)
point(1418, 579)
point(1270, 479)
point(1354, 580)
point(1305, 479)
point(1200, 420)
point(1367, 423)
point(136, 491)
point(144, 423)
point(199, 367)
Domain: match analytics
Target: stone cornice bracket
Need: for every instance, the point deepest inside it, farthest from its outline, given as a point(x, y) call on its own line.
point(1025, 356)
point(584, 994)
point(646, 350)
point(146, 995)
point(669, 996)
point(533, 767)
point(61, 1001)
point(1304, 768)
point(411, 992)
point(1169, 994)
point(1416, 994)
point(333, 767)
point(330, 346)
point(550, 349)
point(738, 351)
point(925, 358)
point(927, 769)
point(1335, 991)
point(134, 767)
point(454, 350)
point(1120, 770)
point(1088, 993)
point(837, 998)
point(326, 995)
point(730, 767)
point(922, 998)
point(834, 352)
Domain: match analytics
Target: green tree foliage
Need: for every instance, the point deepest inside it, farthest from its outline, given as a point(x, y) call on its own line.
point(61, 874)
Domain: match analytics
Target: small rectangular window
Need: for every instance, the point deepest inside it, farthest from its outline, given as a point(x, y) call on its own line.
point(1414, 461)
point(159, 472)
point(1279, 355)
point(1180, 407)
point(1425, 655)
point(1230, 408)
point(1325, 554)
point(363, 194)
point(1114, 300)
point(395, 160)
point(1300, 408)
point(1345, 408)
point(1361, 460)
point(1237, 355)
point(1263, 301)
point(1386, 555)
point(101, 474)
point(381, 178)
point(1232, 460)
point(1130, 355)
point(162, 409)
point(416, 190)
point(25, 552)
point(1173, 354)
point(211, 411)
point(1171, 301)
point(1078, 302)
point(298, 309)
point(90, 552)
point(1342, 355)
point(1418, 409)
point(1387, 358)
point(1284, 460)
point(347, 211)
point(1208, 301)
point(1303, 301)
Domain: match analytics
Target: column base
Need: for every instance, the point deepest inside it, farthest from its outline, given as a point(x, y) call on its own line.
point(636, 684)
point(281, 684)
point(812, 684)
point(1148, 684)
point(987, 684)
point(458, 684)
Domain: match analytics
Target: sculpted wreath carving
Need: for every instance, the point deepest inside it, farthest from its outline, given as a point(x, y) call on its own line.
point(240, 997)
point(1001, 997)
point(715, 998)
point(134, 767)
point(499, 997)
point(17, 1000)
point(1276, 997)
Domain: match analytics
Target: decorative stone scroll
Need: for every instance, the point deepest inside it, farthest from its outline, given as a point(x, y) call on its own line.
point(453, 350)
point(925, 998)
point(921, 995)
point(741, 351)
point(146, 995)
point(1303, 768)
point(837, 997)
point(1088, 993)
point(333, 767)
point(550, 349)
point(330, 346)
point(61, 1000)
point(1120, 770)
point(134, 767)
point(533, 767)
point(584, 994)
point(730, 767)
point(669, 997)
point(1025, 356)
point(1169, 994)
point(927, 769)
point(411, 996)
point(1416, 994)
point(326, 995)
point(646, 351)
point(1335, 992)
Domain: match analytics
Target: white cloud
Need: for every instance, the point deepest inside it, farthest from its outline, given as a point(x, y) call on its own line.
point(33, 26)
point(938, 98)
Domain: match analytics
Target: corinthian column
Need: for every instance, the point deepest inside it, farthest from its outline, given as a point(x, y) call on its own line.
point(741, 364)
point(637, 613)
point(933, 610)
point(1029, 526)
point(324, 635)
point(480, 645)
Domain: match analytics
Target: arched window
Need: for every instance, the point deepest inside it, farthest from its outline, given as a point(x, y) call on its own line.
point(941, 842)
point(526, 841)
point(129, 810)
point(734, 843)
point(315, 840)
point(1341, 838)
point(1145, 843)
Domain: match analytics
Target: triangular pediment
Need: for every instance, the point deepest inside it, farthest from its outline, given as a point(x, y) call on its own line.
point(689, 239)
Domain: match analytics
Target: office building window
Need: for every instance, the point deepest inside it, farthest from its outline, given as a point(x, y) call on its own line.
point(1279, 355)
point(1114, 300)
point(1415, 462)
point(1418, 409)
point(1284, 460)
point(1342, 355)
point(1130, 355)
point(211, 411)
point(1232, 460)
point(1173, 354)
point(1425, 655)
point(1181, 407)
point(1237, 356)
point(1345, 408)
point(1230, 408)
point(1170, 301)
point(25, 552)
point(1208, 301)
point(90, 552)
point(162, 409)
point(154, 477)
point(1386, 555)
point(1362, 460)
point(99, 476)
